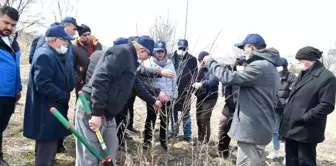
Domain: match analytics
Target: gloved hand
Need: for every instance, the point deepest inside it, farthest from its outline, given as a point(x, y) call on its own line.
point(197, 85)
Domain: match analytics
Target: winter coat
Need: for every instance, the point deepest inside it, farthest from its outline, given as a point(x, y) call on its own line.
point(81, 57)
point(112, 81)
point(167, 85)
point(186, 71)
point(33, 48)
point(140, 88)
point(253, 120)
point(311, 100)
point(49, 86)
point(10, 80)
point(287, 82)
point(209, 89)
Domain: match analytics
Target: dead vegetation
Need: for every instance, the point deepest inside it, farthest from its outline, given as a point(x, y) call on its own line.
point(19, 151)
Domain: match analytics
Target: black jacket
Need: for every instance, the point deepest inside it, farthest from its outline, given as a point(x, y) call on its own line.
point(287, 82)
point(138, 87)
point(309, 103)
point(81, 57)
point(231, 96)
point(33, 48)
point(186, 71)
point(109, 87)
point(209, 90)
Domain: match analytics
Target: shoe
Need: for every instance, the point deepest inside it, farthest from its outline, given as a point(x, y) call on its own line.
point(219, 153)
point(61, 149)
point(128, 136)
point(164, 145)
point(273, 155)
point(133, 130)
point(188, 139)
point(146, 145)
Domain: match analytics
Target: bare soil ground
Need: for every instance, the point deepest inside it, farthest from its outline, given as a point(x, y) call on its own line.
point(19, 151)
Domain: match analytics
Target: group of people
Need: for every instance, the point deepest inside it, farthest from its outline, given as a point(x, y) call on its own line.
point(263, 100)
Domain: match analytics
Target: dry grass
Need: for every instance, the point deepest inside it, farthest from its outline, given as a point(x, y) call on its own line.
point(19, 151)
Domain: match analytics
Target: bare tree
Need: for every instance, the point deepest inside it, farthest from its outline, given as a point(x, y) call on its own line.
point(164, 29)
point(28, 16)
point(64, 8)
point(329, 60)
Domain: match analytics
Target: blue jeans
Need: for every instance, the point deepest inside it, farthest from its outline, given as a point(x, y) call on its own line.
point(186, 123)
point(276, 142)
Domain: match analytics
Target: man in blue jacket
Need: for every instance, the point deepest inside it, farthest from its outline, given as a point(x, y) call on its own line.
point(49, 86)
point(207, 94)
point(10, 81)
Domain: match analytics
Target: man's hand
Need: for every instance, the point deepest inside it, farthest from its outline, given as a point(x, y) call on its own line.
point(163, 97)
point(18, 96)
point(167, 73)
point(95, 123)
point(197, 85)
point(157, 105)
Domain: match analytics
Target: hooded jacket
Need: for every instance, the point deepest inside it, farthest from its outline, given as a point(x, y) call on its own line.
point(254, 117)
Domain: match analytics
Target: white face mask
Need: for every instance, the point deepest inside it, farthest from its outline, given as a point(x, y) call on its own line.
point(280, 69)
point(181, 52)
point(62, 49)
point(302, 67)
point(240, 68)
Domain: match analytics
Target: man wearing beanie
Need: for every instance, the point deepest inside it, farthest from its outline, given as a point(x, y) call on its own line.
point(82, 49)
point(305, 116)
point(253, 121)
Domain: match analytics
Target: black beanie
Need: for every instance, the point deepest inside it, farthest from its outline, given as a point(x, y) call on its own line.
point(83, 28)
point(309, 53)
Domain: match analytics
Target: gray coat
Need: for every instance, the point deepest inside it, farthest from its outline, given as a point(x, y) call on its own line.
point(253, 120)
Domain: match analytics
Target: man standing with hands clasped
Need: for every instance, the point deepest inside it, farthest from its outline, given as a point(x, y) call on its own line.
point(253, 120)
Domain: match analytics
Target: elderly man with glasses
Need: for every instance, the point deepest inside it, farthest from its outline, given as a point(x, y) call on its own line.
point(49, 86)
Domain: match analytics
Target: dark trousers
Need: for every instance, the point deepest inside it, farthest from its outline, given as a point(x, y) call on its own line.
point(300, 154)
point(130, 104)
point(121, 120)
point(151, 118)
point(224, 127)
point(7, 107)
point(45, 152)
point(203, 116)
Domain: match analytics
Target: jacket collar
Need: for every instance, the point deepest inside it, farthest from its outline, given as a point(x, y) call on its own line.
point(311, 74)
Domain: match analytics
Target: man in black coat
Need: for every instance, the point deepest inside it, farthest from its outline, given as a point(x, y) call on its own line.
point(186, 70)
point(107, 92)
point(311, 100)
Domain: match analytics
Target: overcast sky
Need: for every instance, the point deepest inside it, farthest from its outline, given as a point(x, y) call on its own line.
point(286, 25)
